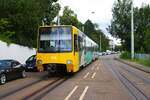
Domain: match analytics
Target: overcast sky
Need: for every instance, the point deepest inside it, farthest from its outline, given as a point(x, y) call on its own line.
point(102, 9)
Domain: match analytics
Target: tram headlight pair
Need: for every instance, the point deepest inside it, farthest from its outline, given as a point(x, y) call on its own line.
point(39, 62)
point(69, 61)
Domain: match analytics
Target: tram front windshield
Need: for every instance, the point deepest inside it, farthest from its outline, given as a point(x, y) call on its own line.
point(55, 39)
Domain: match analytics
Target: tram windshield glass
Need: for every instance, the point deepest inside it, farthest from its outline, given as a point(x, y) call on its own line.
point(55, 39)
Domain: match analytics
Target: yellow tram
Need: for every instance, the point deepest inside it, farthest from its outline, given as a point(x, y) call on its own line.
point(64, 48)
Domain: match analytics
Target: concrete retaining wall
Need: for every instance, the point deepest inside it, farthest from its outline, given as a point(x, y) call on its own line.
point(15, 51)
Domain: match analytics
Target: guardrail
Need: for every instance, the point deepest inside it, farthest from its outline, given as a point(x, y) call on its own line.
point(142, 56)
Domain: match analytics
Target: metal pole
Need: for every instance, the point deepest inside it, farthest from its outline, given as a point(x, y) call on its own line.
point(58, 19)
point(83, 29)
point(132, 32)
point(100, 44)
point(42, 23)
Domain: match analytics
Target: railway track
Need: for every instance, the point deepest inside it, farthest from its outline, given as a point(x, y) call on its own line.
point(136, 75)
point(23, 87)
point(133, 66)
point(43, 91)
point(38, 89)
point(134, 91)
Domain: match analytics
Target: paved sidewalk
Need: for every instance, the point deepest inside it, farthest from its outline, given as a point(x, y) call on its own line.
point(135, 65)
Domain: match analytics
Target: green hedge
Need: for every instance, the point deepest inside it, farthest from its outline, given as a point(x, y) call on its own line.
point(125, 55)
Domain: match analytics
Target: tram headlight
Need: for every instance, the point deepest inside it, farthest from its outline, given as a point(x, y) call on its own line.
point(69, 61)
point(39, 62)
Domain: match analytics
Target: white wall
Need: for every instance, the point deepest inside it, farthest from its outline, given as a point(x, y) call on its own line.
point(14, 51)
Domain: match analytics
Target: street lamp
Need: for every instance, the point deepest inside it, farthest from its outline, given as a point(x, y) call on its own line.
point(100, 44)
point(132, 32)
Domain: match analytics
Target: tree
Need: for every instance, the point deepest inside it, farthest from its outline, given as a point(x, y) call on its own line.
point(142, 26)
point(104, 40)
point(25, 16)
point(89, 28)
point(5, 34)
point(92, 31)
point(147, 40)
point(69, 18)
point(121, 24)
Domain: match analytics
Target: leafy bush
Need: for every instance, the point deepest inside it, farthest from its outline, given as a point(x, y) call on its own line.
point(20, 19)
point(125, 55)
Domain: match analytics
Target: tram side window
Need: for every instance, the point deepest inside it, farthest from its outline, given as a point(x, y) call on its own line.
point(85, 46)
point(75, 43)
point(80, 43)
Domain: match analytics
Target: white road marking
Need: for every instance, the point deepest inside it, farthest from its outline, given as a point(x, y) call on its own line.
point(86, 75)
point(93, 75)
point(83, 94)
point(69, 95)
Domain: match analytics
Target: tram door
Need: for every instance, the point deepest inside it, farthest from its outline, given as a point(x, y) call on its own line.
point(81, 50)
point(76, 51)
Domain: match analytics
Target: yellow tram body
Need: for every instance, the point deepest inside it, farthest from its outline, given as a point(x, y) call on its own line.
point(63, 46)
point(60, 58)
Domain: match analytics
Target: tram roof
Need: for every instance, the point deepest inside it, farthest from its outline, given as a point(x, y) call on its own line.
point(56, 26)
point(69, 26)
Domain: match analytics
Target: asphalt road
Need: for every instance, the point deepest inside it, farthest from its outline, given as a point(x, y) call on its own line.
point(134, 81)
point(104, 79)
